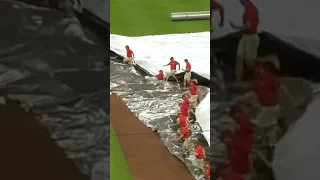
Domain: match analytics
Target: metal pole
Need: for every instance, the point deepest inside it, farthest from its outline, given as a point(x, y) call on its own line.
point(188, 16)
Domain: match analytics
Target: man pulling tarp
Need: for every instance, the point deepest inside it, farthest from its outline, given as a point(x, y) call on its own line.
point(130, 56)
point(173, 69)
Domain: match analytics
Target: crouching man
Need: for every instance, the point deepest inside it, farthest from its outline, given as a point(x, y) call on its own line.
point(130, 56)
point(158, 77)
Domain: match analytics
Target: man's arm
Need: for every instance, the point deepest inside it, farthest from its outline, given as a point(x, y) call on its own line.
point(179, 65)
point(167, 64)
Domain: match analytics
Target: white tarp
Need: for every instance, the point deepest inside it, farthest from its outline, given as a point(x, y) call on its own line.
point(203, 116)
point(297, 153)
point(291, 21)
point(152, 52)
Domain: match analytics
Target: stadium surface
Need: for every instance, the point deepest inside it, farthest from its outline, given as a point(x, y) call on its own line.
point(28, 152)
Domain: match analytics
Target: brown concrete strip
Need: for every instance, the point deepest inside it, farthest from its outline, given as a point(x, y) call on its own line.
point(28, 152)
point(146, 155)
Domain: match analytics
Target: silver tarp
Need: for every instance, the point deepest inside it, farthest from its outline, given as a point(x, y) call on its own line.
point(156, 106)
point(48, 61)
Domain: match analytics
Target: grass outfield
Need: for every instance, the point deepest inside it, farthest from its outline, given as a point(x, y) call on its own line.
point(118, 168)
point(148, 17)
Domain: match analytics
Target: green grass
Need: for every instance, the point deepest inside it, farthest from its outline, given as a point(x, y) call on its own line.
point(150, 17)
point(118, 168)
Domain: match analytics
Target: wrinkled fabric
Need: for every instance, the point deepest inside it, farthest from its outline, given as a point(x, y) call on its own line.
point(48, 61)
point(156, 106)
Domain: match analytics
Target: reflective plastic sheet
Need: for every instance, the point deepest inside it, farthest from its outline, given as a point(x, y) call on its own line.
point(156, 106)
point(48, 61)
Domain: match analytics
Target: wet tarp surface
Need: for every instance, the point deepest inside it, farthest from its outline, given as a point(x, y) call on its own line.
point(156, 106)
point(49, 62)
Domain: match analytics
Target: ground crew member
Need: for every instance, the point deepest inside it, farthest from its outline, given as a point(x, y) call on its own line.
point(186, 101)
point(193, 91)
point(249, 42)
point(185, 110)
point(187, 75)
point(182, 121)
point(208, 170)
point(173, 69)
point(266, 93)
point(158, 77)
point(200, 155)
point(130, 56)
point(186, 136)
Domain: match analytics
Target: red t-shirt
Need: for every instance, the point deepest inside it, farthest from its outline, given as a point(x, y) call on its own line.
point(186, 101)
point(244, 128)
point(240, 162)
point(184, 110)
point(183, 121)
point(188, 67)
point(208, 172)
point(251, 16)
point(173, 65)
point(129, 53)
point(160, 76)
point(185, 132)
point(199, 149)
point(193, 89)
point(267, 89)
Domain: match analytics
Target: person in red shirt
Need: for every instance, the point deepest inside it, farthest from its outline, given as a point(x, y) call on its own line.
point(186, 136)
point(187, 75)
point(193, 92)
point(249, 42)
point(182, 121)
point(266, 92)
point(130, 56)
point(158, 77)
point(186, 101)
point(173, 69)
point(200, 155)
point(208, 170)
point(184, 109)
point(214, 5)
